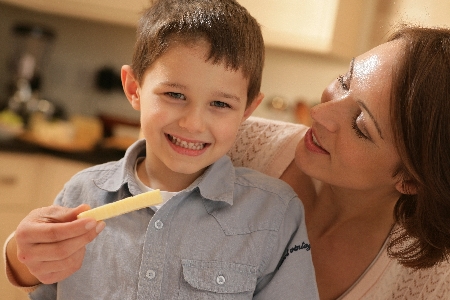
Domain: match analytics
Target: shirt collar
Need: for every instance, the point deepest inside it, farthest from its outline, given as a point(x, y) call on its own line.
point(122, 172)
point(216, 183)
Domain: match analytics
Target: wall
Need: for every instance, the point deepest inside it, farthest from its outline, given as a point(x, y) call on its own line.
point(82, 47)
point(420, 12)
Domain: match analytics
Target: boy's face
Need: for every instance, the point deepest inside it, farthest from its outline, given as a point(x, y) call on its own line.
point(190, 109)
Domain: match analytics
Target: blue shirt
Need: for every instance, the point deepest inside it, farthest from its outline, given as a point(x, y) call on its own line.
point(234, 233)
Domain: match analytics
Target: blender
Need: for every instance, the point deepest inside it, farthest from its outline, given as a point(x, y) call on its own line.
point(31, 48)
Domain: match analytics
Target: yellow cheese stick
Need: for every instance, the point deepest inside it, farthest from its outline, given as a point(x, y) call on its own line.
point(123, 206)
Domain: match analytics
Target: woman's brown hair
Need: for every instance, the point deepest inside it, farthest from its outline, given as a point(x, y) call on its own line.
point(420, 114)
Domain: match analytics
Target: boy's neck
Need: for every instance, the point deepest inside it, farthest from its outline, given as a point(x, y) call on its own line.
point(163, 178)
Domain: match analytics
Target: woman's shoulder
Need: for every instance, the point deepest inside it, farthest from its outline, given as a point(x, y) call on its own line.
point(266, 145)
point(399, 282)
point(431, 283)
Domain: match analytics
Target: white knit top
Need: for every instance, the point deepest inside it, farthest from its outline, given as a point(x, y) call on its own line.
point(269, 146)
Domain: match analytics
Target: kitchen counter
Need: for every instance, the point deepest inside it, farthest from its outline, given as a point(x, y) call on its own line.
point(96, 156)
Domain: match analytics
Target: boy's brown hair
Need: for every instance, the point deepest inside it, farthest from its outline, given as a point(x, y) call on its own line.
point(234, 36)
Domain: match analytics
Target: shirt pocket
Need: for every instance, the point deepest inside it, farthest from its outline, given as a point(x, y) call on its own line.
point(216, 280)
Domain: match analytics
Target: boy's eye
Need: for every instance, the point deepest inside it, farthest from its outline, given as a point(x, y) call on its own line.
point(220, 104)
point(176, 95)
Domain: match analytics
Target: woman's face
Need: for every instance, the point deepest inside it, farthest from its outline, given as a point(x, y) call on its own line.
point(350, 143)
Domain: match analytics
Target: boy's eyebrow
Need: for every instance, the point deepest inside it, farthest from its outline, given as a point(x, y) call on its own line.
point(228, 96)
point(219, 93)
point(172, 84)
point(371, 116)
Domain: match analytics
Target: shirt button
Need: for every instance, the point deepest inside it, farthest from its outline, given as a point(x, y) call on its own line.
point(150, 274)
point(159, 224)
point(220, 279)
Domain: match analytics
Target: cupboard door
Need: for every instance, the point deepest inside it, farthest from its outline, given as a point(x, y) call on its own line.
point(112, 11)
point(55, 173)
point(9, 222)
point(18, 184)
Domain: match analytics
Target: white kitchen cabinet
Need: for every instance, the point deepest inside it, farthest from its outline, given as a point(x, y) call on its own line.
point(336, 27)
point(18, 179)
point(124, 12)
point(28, 182)
point(331, 27)
point(341, 28)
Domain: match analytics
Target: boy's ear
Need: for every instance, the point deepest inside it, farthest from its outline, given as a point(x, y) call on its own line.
point(406, 186)
point(130, 86)
point(251, 108)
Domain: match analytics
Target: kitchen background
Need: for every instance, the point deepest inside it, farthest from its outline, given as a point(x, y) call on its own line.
point(309, 43)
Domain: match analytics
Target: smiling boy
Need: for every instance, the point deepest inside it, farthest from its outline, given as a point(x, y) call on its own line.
point(222, 232)
point(190, 110)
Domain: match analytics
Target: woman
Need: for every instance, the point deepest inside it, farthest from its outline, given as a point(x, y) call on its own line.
point(373, 171)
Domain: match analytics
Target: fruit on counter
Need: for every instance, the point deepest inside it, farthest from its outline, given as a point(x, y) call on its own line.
point(10, 118)
point(78, 133)
point(11, 125)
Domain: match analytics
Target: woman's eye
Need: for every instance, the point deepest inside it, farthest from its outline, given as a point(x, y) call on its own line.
point(355, 127)
point(220, 104)
point(176, 95)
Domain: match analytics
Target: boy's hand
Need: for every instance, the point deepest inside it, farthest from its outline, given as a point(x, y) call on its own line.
point(50, 242)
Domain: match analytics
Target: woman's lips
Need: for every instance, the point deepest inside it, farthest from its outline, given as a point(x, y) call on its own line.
point(312, 144)
point(186, 147)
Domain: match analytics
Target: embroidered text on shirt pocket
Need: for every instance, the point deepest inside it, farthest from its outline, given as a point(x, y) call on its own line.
point(217, 280)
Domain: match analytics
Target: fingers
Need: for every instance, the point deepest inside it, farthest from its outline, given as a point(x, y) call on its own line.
point(53, 223)
point(57, 249)
point(60, 214)
point(53, 271)
point(51, 241)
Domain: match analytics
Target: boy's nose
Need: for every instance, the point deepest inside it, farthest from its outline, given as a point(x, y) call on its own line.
point(193, 120)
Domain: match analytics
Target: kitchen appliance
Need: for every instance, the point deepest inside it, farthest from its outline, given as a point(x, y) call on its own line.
point(31, 45)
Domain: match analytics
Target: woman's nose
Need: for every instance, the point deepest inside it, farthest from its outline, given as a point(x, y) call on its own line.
point(192, 120)
point(328, 112)
point(326, 116)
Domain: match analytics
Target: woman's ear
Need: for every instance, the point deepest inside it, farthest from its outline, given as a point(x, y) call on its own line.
point(406, 186)
point(130, 86)
point(251, 108)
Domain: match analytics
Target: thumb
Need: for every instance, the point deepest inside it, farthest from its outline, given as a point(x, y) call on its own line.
point(60, 214)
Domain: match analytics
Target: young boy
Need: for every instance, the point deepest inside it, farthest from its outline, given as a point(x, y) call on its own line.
point(222, 232)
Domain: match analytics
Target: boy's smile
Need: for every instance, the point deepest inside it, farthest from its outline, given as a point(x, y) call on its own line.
point(187, 147)
point(191, 109)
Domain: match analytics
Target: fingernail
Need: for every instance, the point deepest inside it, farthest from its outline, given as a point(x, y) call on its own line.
point(90, 225)
point(100, 226)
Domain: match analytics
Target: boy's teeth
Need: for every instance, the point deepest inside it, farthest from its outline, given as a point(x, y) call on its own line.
point(187, 145)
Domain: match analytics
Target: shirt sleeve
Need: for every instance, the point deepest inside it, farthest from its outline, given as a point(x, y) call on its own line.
point(9, 275)
point(266, 145)
point(290, 273)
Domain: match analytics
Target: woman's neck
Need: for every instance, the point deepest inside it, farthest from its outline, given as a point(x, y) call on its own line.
point(333, 205)
point(346, 229)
